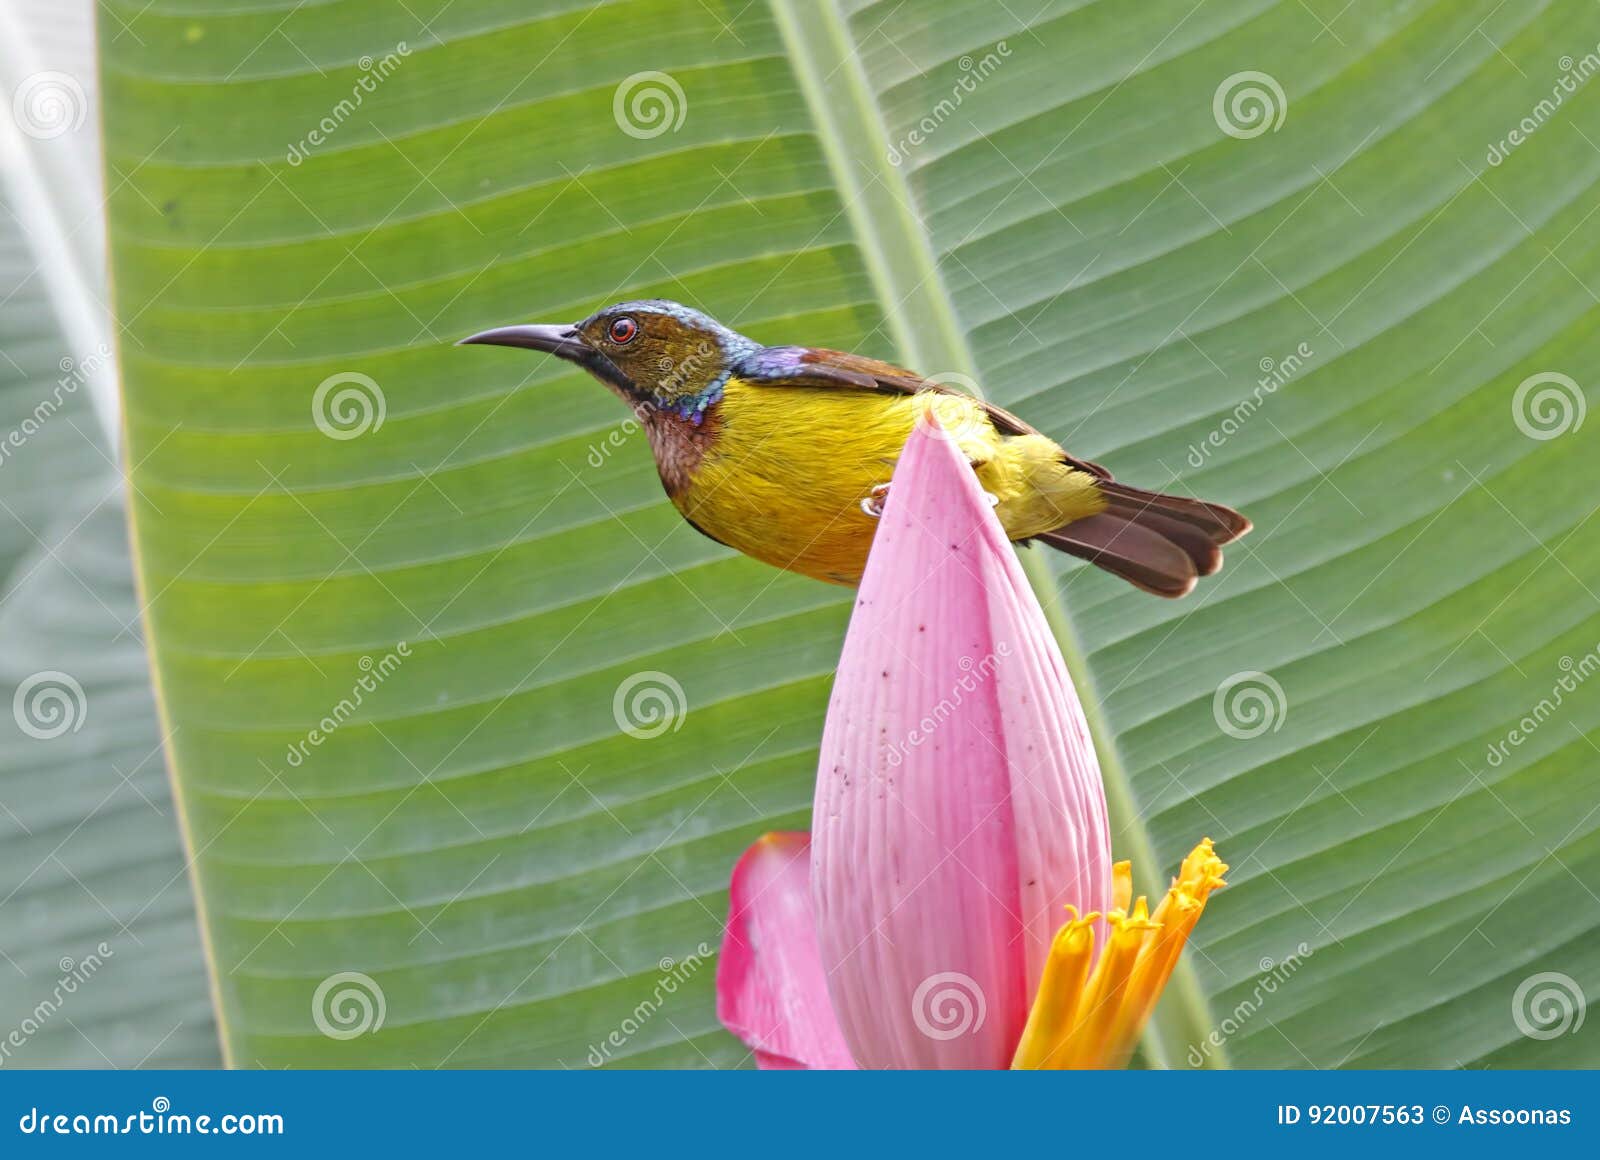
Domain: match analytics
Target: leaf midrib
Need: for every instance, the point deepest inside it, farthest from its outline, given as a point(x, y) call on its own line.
point(921, 319)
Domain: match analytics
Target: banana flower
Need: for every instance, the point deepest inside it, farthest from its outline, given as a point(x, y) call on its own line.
point(955, 905)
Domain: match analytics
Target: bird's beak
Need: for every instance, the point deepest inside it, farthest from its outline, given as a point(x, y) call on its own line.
point(560, 340)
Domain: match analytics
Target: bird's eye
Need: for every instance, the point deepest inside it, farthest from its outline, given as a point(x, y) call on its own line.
point(623, 330)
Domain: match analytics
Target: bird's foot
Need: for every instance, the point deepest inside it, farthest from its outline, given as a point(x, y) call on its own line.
point(873, 503)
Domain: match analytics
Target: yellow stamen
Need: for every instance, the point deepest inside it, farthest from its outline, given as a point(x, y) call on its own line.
point(1060, 988)
point(1093, 1019)
point(1121, 886)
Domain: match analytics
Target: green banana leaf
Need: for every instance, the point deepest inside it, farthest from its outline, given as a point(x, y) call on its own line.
point(99, 951)
point(468, 728)
point(50, 440)
point(99, 947)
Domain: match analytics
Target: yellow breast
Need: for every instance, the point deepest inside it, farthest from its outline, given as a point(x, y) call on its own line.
point(784, 478)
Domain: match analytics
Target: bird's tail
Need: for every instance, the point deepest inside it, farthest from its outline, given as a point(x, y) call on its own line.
point(1160, 543)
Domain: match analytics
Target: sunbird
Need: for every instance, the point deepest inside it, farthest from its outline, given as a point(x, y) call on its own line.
point(783, 452)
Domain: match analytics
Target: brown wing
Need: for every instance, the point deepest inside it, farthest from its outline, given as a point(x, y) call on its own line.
point(840, 370)
point(1160, 543)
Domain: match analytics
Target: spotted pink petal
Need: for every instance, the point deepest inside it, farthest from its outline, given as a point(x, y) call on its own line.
point(771, 991)
point(959, 804)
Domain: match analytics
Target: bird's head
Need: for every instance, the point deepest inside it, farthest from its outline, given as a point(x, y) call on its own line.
point(650, 351)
